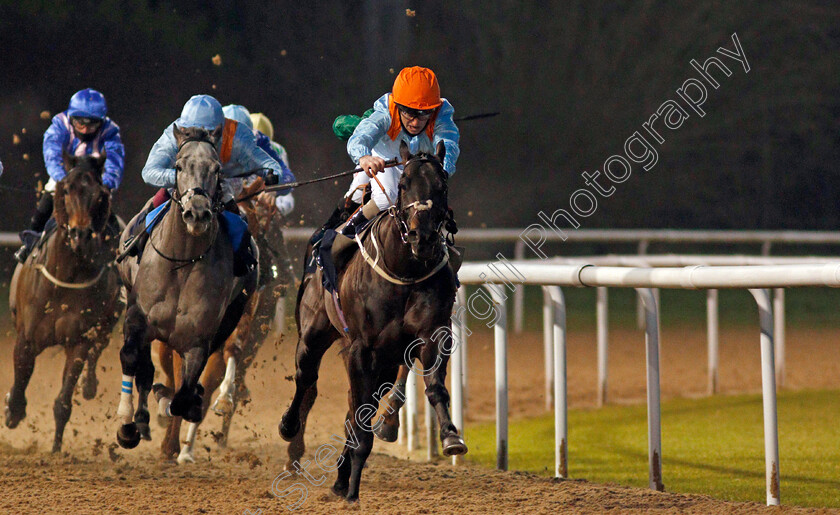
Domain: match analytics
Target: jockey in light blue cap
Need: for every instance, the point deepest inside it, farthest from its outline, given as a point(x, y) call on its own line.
point(82, 129)
point(244, 158)
point(243, 116)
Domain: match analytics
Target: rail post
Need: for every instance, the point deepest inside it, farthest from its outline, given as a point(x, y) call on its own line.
point(548, 346)
point(561, 432)
point(779, 334)
point(768, 387)
point(456, 378)
point(519, 294)
point(653, 396)
point(712, 340)
point(602, 316)
point(500, 337)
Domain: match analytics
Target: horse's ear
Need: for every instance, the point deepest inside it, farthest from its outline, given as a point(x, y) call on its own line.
point(179, 134)
point(405, 153)
point(440, 151)
point(69, 161)
point(216, 135)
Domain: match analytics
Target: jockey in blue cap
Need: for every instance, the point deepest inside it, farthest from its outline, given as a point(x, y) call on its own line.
point(284, 200)
point(244, 157)
point(83, 129)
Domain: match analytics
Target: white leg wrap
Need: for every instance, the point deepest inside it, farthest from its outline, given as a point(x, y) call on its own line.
point(125, 411)
point(230, 375)
point(186, 455)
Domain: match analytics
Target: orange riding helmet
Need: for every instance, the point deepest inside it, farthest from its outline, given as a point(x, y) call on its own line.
point(415, 88)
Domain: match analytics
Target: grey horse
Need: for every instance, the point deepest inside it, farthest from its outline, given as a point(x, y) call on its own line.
point(182, 290)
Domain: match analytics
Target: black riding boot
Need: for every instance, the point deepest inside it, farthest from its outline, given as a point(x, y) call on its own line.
point(342, 212)
point(42, 214)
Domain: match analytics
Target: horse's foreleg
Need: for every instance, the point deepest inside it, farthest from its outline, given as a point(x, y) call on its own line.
point(389, 407)
point(145, 377)
point(134, 330)
point(451, 440)
point(24, 357)
point(90, 383)
point(188, 402)
point(362, 405)
point(73, 363)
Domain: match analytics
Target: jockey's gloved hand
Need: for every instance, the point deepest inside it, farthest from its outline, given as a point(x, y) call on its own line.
point(272, 179)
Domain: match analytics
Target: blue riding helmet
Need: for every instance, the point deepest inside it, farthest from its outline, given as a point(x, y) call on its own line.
point(88, 103)
point(201, 111)
point(240, 114)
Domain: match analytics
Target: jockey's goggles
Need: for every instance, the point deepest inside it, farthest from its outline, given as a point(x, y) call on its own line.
point(86, 122)
point(415, 113)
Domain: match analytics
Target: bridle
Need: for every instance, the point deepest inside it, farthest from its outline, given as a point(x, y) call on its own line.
point(178, 198)
point(181, 197)
point(401, 214)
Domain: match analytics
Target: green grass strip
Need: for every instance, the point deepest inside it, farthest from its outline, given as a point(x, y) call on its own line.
point(712, 446)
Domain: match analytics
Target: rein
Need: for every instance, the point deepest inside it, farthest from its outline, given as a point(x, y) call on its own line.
point(72, 286)
point(192, 260)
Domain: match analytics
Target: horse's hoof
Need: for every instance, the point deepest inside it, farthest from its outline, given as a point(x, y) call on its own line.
point(387, 432)
point(162, 392)
point(163, 421)
point(339, 490)
point(89, 388)
point(128, 436)
point(185, 457)
point(288, 430)
point(12, 418)
point(454, 445)
point(145, 432)
point(223, 405)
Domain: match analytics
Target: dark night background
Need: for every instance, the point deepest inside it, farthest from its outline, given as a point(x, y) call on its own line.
point(573, 80)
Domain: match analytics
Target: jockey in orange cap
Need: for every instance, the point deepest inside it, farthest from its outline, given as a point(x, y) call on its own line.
point(413, 112)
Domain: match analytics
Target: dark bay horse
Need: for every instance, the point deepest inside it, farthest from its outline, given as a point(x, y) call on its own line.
point(182, 291)
point(226, 367)
point(67, 291)
point(390, 321)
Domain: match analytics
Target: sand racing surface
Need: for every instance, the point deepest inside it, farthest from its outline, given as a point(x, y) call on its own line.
point(92, 475)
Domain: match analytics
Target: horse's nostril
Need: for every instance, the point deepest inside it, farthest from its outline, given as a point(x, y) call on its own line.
point(188, 215)
point(204, 216)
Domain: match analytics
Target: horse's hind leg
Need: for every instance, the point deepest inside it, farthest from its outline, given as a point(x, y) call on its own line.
point(134, 330)
point(297, 446)
point(314, 342)
point(24, 357)
point(74, 362)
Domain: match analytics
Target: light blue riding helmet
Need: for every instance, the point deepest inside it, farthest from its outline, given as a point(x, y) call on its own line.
point(240, 114)
point(88, 103)
point(201, 111)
